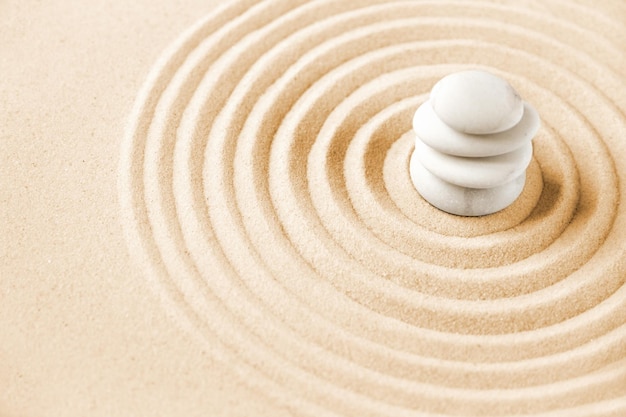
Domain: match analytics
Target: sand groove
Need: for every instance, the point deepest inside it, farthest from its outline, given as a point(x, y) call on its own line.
point(264, 186)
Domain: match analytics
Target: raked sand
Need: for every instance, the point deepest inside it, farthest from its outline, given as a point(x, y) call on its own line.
point(207, 210)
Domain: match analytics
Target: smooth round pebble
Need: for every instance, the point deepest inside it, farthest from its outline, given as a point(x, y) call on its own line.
point(436, 134)
point(486, 172)
point(463, 201)
point(476, 102)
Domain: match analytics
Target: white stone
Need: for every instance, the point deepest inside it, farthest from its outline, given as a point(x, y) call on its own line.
point(463, 201)
point(436, 134)
point(486, 172)
point(476, 102)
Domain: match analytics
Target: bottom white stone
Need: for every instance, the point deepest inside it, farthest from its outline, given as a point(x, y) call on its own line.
point(463, 201)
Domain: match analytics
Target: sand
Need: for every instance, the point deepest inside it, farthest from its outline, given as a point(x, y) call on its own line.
point(215, 216)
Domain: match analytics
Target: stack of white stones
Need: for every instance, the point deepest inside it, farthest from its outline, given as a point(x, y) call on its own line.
point(473, 144)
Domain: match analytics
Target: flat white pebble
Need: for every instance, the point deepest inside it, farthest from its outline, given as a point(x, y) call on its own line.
point(463, 201)
point(476, 102)
point(487, 172)
point(436, 134)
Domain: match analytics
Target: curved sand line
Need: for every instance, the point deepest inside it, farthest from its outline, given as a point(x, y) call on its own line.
point(264, 185)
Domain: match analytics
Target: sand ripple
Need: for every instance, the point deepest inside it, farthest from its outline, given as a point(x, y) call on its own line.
point(265, 188)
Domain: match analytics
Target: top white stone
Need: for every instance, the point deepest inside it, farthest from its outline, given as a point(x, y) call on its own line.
point(476, 102)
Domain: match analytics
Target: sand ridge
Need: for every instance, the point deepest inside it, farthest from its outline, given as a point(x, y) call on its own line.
point(264, 188)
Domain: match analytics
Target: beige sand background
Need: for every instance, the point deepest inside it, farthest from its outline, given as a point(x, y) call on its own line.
point(83, 331)
point(80, 332)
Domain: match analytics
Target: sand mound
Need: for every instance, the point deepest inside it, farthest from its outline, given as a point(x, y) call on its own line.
point(265, 188)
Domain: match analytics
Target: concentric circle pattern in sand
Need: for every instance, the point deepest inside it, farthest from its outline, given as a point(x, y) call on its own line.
point(265, 188)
